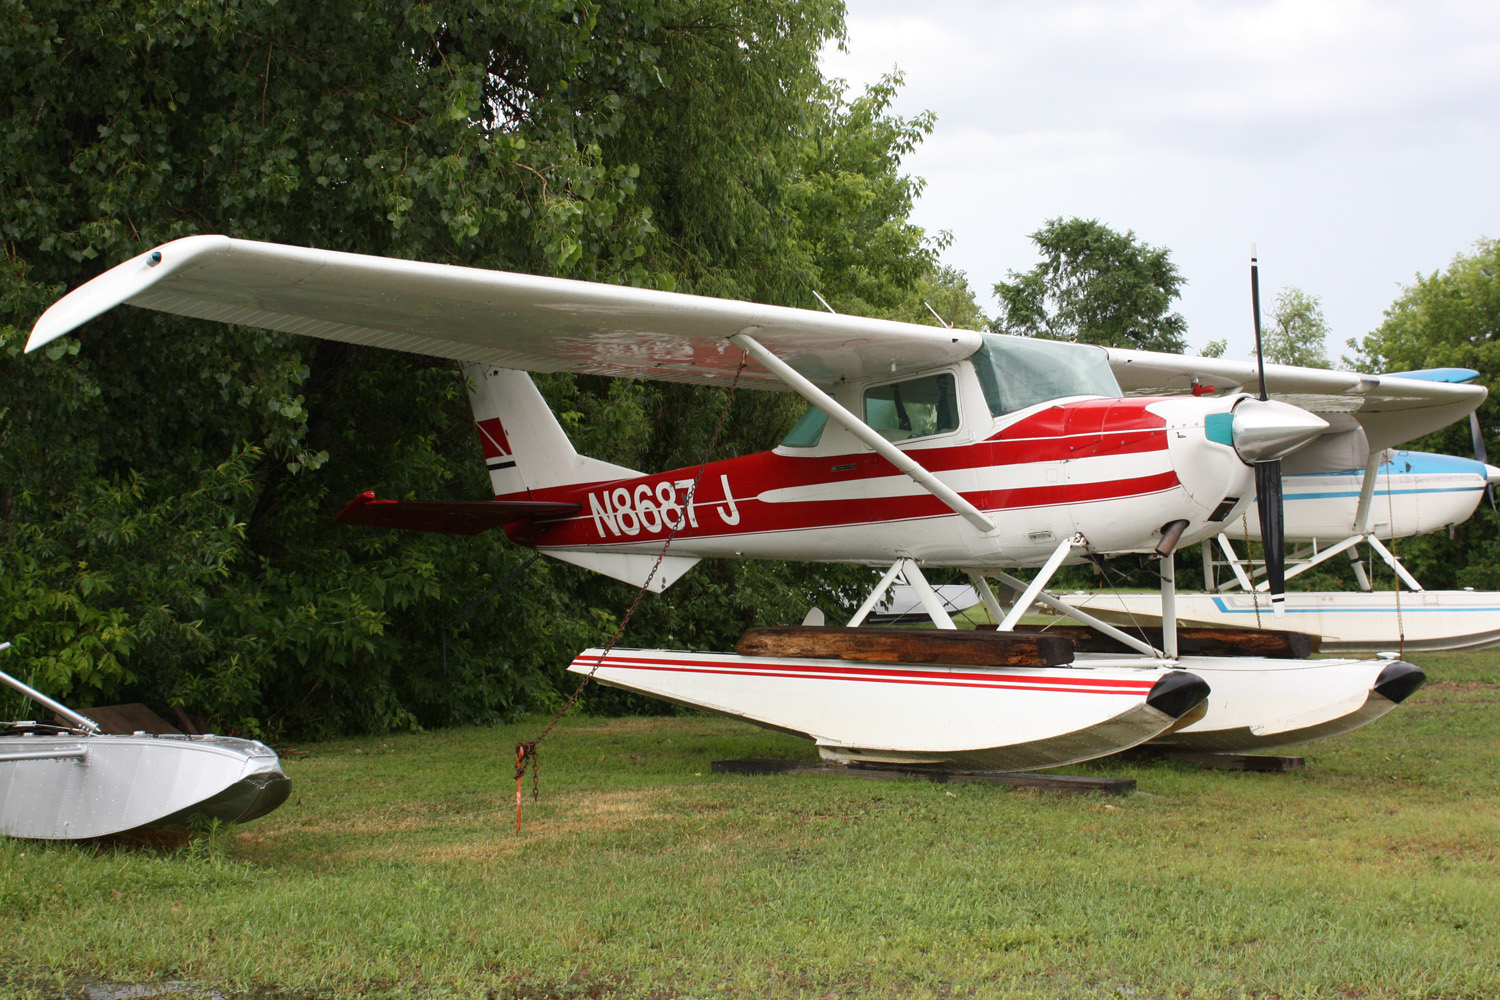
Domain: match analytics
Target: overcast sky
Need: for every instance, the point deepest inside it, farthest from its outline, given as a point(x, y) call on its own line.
point(1356, 142)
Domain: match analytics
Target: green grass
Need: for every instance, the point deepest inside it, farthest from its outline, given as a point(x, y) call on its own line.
point(395, 870)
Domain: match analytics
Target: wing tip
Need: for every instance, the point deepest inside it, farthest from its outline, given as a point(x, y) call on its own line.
point(118, 285)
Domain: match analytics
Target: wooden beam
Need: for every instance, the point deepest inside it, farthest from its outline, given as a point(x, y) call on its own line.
point(122, 720)
point(961, 647)
point(1193, 641)
point(1065, 784)
point(1268, 763)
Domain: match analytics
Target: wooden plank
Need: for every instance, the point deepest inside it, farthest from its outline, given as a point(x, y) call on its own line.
point(966, 647)
point(193, 725)
point(122, 720)
point(1266, 763)
point(1065, 784)
point(1193, 640)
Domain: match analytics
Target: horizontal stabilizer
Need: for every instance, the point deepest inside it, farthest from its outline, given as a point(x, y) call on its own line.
point(633, 568)
point(450, 517)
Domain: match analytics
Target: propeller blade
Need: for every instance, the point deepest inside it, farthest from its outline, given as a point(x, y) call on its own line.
point(1268, 476)
point(1260, 356)
point(1477, 436)
point(1272, 531)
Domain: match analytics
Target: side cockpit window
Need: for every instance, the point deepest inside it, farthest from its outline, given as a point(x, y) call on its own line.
point(918, 407)
point(808, 431)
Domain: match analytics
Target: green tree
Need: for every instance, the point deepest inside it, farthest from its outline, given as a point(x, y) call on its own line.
point(167, 486)
point(1448, 319)
point(948, 294)
point(1095, 286)
point(850, 202)
point(1295, 331)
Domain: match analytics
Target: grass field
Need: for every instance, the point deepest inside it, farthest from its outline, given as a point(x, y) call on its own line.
point(395, 870)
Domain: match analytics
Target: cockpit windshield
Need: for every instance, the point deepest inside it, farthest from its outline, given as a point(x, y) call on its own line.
point(1017, 372)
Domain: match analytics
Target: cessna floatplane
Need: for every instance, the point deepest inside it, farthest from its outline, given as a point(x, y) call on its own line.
point(923, 447)
point(1391, 494)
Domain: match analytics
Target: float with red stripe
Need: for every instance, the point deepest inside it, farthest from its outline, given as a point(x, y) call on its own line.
point(1005, 718)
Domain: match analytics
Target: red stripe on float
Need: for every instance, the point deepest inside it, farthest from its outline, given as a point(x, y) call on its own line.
point(881, 675)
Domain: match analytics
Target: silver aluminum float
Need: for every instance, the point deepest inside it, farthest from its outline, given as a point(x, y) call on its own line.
point(74, 782)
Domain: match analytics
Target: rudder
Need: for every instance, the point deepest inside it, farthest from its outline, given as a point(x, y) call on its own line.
point(525, 448)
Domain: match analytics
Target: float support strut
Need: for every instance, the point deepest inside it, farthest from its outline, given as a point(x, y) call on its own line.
point(876, 595)
point(1042, 578)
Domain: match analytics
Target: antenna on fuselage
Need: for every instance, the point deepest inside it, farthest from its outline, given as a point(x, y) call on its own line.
point(825, 302)
point(946, 325)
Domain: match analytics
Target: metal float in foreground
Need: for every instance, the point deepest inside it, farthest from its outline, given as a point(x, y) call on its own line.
point(74, 782)
point(1267, 691)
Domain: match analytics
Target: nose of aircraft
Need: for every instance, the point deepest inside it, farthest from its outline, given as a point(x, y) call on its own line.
point(1267, 429)
point(1492, 475)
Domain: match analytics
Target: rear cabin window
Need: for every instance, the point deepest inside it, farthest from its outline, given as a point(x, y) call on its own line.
point(809, 430)
point(1017, 372)
point(915, 408)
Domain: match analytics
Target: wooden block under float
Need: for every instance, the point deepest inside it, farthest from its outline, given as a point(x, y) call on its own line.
point(962, 647)
point(1191, 640)
point(1066, 784)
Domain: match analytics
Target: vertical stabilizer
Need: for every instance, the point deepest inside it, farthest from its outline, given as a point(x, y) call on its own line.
point(525, 447)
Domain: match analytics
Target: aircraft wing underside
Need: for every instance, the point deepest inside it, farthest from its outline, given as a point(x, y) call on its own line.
point(495, 317)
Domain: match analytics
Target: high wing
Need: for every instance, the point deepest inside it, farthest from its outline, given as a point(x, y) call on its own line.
point(1391, 409)
point(552, 324)
point(495, 317)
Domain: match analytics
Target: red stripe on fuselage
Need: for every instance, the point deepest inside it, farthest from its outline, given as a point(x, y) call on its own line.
point(1062, 433)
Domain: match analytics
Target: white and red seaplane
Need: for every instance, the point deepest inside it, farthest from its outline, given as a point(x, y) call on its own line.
point(923, 447)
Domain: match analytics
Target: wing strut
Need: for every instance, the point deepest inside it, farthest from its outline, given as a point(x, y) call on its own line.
point(900, 459)
point(1367, 494)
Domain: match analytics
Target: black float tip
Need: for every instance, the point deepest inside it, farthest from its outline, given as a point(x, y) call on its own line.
point(1178, 693)
point(1398, 680)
